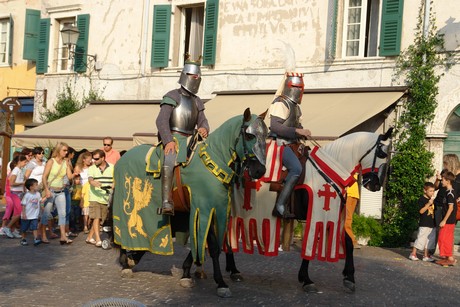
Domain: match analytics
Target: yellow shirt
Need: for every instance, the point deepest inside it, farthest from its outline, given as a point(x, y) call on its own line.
point(85, 194)
point(353, 191)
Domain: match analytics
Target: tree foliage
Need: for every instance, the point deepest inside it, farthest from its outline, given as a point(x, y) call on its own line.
point(412, 163)
point(68, 103)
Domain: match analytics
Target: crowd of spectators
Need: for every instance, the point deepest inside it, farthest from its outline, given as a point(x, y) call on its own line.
point(58, 195)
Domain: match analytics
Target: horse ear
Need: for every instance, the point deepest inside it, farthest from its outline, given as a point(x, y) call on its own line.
point(247, 115)
point(387, 134)
point(263, 114)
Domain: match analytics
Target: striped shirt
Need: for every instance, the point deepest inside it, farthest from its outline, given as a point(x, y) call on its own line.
point(105, 178)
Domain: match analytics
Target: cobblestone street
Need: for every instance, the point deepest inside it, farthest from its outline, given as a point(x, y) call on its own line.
point(73, 275)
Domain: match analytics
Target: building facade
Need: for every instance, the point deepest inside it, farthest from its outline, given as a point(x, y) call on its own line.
point(134, 50)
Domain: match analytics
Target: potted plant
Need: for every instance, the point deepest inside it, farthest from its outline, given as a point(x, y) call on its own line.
point(367, 230)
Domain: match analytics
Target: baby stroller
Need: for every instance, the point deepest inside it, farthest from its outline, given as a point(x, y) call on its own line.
point(107, 227)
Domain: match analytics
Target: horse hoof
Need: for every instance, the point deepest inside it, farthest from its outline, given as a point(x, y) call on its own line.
point(224, 292)
point(237, 277)
point(201, 275)
point(349, 285)
point(126, 273)
point(186, 282)
point(176, 272)
point(131, 263)
point(310, 288)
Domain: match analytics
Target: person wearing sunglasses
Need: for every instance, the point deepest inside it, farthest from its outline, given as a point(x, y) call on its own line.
point(53, 184)
point(111, 155)
point(100, 178)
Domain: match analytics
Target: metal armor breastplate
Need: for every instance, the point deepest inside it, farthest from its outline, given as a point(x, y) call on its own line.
point(184, 116)
point(295, 113)
point(293, 119)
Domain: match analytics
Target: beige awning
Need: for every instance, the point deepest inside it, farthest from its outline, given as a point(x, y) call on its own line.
point(86, 128)
point(327, 115)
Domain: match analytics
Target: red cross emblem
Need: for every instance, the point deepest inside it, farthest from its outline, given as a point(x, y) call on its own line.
point(248, 186)
point(327, 194)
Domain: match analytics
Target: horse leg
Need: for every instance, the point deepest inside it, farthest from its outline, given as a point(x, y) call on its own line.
point(349, 269)
point(230, 266)
point(186, 281)
point(128, 259)
point(214, 252)
point(308, 285)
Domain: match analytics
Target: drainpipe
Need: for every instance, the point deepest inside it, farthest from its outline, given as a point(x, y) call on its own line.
point(426, 23)
point(144, 38)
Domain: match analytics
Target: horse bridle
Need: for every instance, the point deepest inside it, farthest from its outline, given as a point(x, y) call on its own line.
point(379, 153)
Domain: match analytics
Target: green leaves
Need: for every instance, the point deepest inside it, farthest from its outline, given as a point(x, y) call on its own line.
point(68, 103)
point(412, 165)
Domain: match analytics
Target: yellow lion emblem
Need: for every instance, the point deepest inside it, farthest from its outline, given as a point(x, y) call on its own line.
point(141, 195)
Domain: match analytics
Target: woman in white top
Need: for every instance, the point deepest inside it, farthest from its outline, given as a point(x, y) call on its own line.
point(36, 166)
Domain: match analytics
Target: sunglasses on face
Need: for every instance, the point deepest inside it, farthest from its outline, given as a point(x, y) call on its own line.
point(96, 159)
point(107, 144)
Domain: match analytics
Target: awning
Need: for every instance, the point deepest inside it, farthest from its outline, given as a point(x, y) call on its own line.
point(86, 128)
point(327, 115)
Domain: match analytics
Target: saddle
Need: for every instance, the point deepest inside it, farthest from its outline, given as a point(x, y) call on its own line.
point(180, 193)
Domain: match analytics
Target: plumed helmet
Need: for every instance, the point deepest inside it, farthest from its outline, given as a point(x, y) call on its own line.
point(190, 77)
point(293, 87)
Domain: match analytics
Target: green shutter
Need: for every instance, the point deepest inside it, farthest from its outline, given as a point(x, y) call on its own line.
point(43, 46)
point(210, 32)
point(160, 36)
point(333, 42)
point(390, 32)
point(81, 49)
point(31, 35)
point(10, 42)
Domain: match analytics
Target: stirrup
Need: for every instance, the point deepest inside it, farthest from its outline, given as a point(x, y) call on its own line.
point(286, 215)
point(166, 209)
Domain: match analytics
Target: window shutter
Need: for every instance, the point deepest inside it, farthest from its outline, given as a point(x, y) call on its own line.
point(43, 45)
point(390, 32)
point(332, 42)
point(160, 36)
point(210, 32)
point(10, 43)
point(31, 33)
point(81, 49)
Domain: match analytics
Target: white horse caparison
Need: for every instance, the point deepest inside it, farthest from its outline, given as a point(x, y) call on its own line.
point(329, 170)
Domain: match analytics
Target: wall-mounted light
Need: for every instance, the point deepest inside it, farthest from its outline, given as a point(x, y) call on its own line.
point(69, 36)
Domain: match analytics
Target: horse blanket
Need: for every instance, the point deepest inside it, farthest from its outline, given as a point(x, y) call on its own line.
point(252, 205)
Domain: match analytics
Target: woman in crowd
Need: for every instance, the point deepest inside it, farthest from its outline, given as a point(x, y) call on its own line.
point(84, 161)
point(15, 186)
point(36, 166)
point(53, 183)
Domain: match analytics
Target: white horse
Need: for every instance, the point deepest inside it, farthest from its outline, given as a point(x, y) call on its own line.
point(328, 171)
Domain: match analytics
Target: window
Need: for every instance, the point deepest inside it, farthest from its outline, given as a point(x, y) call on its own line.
point(62, 59)
point(360, 29)
point(193, 31)
point(191, 36)
point(5, 41)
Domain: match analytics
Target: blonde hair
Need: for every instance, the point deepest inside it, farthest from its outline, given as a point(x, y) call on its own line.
point(58, 149)
point(451, 163)
point(80, 159)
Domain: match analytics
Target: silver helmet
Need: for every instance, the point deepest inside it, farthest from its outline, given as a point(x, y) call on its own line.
point(293, 87)
point(190, 77)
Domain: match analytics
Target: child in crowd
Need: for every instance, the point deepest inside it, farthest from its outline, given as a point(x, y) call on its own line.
point(84, 205)
point(426, 237)
point(75, 211)
point(447, 225)
point(30, 211)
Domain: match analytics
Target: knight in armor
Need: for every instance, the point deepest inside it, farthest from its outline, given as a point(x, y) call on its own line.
point(286, 128)
point(181, 112)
